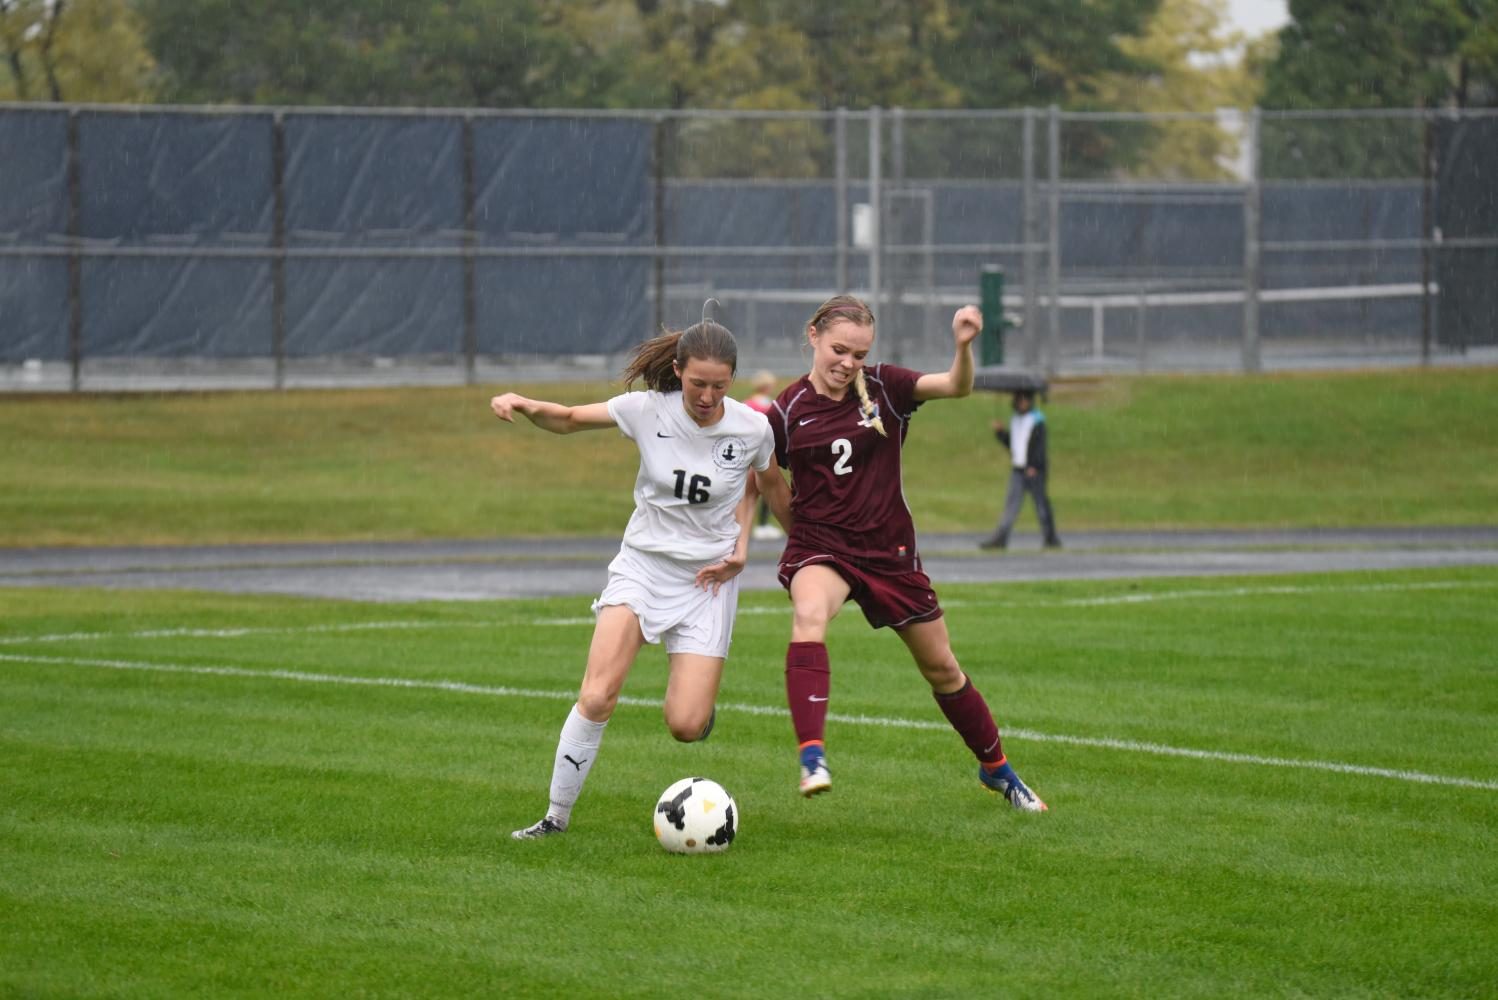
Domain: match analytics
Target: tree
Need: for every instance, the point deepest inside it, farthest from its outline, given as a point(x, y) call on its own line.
point(1063, 52)
point(83, 50)
point(1378, 53)
point(353, 52)
point(868, 52)
point(1193, 70)
point(1354, 54)
point(1043, 52)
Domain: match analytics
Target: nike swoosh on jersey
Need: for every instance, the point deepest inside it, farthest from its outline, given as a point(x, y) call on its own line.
point(808, 420)
point(660, 435)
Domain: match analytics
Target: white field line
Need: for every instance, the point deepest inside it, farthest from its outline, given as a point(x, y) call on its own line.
point(460, 687)
point(1267, 591)
point(234, 633)
point(1149, 598)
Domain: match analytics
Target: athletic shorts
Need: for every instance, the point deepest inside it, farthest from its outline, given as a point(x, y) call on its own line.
point(663, 594)
point(893, 599)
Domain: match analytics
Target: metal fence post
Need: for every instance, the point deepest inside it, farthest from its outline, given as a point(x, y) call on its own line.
point(1028, 229)
point(658, 222)
point(1053, 275)
point(75, 254)
point(897, 266)
point(1141, 328)
point(1427, 173)
point(278, 247)
point(1251, 250)
point(470, 262)
point(876, 202)
point(840, 138)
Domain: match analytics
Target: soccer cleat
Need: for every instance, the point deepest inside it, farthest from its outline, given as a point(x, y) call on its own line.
point(994, 542)
point(815, 778)
point(545, 828)
point(1003, 781)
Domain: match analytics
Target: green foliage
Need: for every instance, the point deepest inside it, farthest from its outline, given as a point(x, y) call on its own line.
point(1388, 54)
point(1190, 51)
point(1368, 449)
point(1070, 53)
point(353, 52)
point(775, 54)
point(73, 50)
point(208, 795)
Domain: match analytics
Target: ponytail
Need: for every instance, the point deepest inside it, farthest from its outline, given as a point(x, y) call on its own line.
point(656, 361)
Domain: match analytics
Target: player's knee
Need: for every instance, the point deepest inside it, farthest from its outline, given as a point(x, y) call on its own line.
point(686, 727)
point(809, 621)
point(943, 675)
point(596, 705)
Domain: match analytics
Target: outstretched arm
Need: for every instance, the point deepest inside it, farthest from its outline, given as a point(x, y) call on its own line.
point(956, 381)
point(552, 417)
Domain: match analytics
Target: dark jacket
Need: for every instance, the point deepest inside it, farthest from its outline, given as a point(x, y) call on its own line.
point(1036, 457)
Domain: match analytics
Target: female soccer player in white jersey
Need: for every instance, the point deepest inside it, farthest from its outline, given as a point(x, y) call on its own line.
point(839, 430)
point(675, 579)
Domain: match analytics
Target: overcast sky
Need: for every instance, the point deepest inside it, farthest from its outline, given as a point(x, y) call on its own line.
point(1257, 16)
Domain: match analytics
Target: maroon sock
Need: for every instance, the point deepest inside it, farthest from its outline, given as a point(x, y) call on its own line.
point(968, 713)
point(807, 682)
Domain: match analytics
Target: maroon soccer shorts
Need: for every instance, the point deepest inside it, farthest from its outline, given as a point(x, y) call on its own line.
point(894, 599)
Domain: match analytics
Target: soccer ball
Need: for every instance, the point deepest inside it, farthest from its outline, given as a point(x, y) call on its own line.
point(696, 816)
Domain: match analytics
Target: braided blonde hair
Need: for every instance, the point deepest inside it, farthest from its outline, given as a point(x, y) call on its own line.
point(866, 405)
point(854, 310)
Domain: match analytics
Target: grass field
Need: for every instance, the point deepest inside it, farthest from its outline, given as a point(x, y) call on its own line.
point(1267, 786)
point(1327, 450)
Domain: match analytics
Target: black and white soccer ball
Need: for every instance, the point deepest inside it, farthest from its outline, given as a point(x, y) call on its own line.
point(696, 816)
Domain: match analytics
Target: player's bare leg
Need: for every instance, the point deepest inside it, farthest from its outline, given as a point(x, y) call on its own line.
point(691, 694)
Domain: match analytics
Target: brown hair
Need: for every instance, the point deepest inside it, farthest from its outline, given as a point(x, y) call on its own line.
point(854, 310)
point(655, 361)
point(841, 307)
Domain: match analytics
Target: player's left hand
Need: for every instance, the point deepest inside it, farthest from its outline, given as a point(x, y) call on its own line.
point(714, 576)
point(967, 323)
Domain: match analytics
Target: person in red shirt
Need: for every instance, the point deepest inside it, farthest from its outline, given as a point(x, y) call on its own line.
point(760, 401)
point(839, 430)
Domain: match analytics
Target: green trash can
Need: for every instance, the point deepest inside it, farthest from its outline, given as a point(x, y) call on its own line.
point(991, 340)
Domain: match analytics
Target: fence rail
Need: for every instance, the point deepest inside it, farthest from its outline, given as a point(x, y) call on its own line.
point(300, 236)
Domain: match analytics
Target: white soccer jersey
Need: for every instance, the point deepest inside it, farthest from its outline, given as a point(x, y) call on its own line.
point(691, 478)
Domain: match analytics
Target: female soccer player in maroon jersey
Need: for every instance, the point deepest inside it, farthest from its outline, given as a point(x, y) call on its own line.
point(839, 430)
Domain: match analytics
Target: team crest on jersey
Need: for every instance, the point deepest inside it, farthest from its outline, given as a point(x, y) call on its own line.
point(730, 453)
point(869, 420)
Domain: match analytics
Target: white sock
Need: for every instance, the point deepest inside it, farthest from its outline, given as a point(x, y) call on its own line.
point(576, 749)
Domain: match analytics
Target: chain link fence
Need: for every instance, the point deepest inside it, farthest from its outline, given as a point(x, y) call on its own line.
point(272, 246)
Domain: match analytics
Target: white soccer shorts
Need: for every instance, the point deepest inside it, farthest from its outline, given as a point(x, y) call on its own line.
point(663, 594)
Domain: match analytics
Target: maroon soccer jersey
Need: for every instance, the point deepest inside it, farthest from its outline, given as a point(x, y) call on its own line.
point(847, 496)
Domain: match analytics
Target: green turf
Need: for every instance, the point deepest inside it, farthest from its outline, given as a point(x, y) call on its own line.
point(1335, 450)
point(202, 827)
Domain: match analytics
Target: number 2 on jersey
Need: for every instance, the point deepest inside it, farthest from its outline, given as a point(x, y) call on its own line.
point(696, 490)
point(843, 449)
